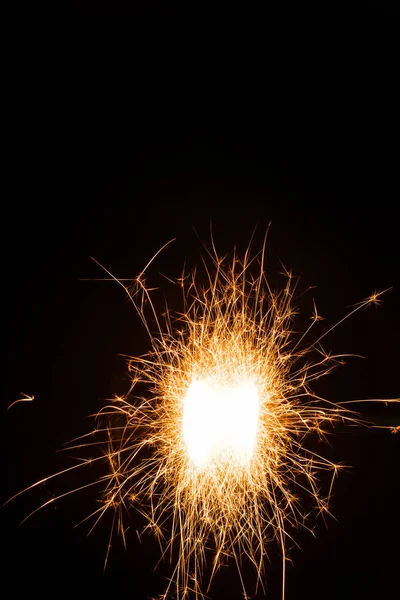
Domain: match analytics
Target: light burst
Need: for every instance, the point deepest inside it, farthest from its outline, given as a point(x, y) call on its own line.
point(210, 443)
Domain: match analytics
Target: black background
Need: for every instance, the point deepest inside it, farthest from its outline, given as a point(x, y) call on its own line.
point(111, 155)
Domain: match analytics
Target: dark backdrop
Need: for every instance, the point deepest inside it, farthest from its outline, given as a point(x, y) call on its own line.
point(109, 163)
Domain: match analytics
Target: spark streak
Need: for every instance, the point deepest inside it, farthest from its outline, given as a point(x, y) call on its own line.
point(26, 398)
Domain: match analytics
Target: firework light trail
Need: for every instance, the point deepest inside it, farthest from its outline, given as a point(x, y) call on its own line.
point(210, 442)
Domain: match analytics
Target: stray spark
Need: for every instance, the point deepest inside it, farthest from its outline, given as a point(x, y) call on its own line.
point(26, 398)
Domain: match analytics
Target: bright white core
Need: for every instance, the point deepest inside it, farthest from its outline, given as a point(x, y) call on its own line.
point(220, 422)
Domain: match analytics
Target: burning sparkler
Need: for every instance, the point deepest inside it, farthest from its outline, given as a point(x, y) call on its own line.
point(210, 442)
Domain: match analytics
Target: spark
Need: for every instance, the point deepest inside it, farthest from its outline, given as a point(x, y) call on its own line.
point(26, 398)
point(210, 443)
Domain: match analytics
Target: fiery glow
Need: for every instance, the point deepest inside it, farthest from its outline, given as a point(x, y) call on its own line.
point(211, 443)
point(220, 423)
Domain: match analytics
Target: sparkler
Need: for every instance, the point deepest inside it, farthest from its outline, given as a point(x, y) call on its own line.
point(210, 442)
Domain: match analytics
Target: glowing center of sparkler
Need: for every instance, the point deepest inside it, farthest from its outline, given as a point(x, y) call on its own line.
point(220, 422)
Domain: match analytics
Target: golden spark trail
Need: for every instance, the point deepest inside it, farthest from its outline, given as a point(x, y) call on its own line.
point(26, 398)
point(210, 442)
